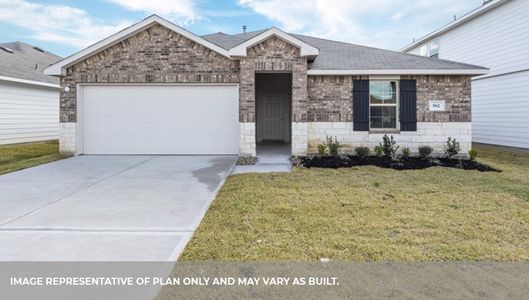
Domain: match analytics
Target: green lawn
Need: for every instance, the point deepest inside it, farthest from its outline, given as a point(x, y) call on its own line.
point(371, 214)
point(20, 156)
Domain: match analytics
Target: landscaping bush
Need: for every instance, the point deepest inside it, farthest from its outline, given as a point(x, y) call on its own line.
point(473, 154)
point(334, 146)
point(378, 151)
point(406, 152)
point(425, 151)
point(322, 148)
point(362, 152)
point(389, 146)
point(451, 148)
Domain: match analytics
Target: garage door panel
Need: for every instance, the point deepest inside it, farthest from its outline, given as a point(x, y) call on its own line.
point(160, 119)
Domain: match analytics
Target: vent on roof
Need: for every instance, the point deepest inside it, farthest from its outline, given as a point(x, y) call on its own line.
point(6, 49)
point(38, 49)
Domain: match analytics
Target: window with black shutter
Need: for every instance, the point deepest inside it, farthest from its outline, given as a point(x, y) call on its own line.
point(361, 105)
point(408, 105)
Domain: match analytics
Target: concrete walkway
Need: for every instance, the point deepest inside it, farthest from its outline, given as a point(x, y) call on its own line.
point(108, 208)
point(271, 157)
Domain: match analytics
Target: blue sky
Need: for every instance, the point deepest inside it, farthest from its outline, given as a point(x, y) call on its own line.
point(64, 27)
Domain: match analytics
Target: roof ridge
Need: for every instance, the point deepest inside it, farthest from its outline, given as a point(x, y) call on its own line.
point(249, 32)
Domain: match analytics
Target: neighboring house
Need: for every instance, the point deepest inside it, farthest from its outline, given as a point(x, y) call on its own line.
point(155, 88)
point(29, 100)
point(495, 35)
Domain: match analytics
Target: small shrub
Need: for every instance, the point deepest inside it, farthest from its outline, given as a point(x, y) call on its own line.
point(473, 154)
point(322, 148)
point(425, 151)
point(389, 146)
point(379, 151)
point(451, 148)
point(334, 146)
point(362, 152)
point(406, 152)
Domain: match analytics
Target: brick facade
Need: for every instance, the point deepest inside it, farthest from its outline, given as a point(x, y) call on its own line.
point(330, 98)
point(159, 55)
point(154, 55)
point(455, 90)
point(273, 55)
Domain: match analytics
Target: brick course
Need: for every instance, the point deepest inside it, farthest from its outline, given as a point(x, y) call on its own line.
point(455, 90)
point(273, 55)
point(154, 55)
point(159, 55)
point(330, 98)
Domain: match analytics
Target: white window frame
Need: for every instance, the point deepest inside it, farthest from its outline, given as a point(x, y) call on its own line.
point(430, 48)
point(396, 105)
point(424, 48)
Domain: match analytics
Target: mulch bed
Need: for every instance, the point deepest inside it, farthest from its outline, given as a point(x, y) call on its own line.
point(246, 161)
point(411, 163)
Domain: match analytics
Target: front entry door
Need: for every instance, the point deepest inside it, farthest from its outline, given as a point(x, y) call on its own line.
point(275, 117)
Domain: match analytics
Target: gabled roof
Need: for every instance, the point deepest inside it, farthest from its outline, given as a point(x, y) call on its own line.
point(339, 58)
point(58, 68)
point(21, 62)
point(305, 49)
point(486, 7)
point(325, 56)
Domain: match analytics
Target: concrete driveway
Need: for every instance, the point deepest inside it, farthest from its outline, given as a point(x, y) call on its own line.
point(107, 208)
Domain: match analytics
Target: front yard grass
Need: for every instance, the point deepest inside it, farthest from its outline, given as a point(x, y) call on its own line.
point(372, 214)
point(20, 156)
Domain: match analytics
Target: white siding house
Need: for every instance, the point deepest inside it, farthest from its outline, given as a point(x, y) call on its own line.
point(496, 36)
point(29, 100)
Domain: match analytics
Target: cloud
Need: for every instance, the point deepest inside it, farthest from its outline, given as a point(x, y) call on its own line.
point(182, 12)
point(384, 23)
point(58, 23)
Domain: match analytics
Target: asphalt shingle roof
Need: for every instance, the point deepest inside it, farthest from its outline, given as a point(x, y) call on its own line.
point(26, 62)
point(345, 56)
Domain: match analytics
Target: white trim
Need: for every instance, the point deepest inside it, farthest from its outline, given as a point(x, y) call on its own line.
point(58, 68)
point(32, 82)
point(396, 105)
point(472, 15)
point(378, 77)
point(401, 72)
point(305, 49)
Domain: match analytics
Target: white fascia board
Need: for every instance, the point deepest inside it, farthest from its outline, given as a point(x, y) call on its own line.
point(31, 82)
point(400, 72)
point(474, 14)
point(57, 69)
point(305, 49)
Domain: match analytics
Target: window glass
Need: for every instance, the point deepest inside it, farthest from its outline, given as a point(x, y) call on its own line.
point(423, 51)
point(382, 92)
point(434, 48)
point(383, 104)
point(383, 117)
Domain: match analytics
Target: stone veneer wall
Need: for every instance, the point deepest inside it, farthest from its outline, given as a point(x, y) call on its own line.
point(433, 134)
point(330, 113)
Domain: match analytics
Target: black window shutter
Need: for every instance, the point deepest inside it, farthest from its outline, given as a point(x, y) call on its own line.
point(361, 105)
point(408, 105)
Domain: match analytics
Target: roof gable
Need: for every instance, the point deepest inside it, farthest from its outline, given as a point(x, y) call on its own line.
point(58, 68)
point(304, 48)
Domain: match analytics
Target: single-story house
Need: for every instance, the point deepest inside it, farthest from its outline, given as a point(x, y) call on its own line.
point(156, 88)
point(29, 100)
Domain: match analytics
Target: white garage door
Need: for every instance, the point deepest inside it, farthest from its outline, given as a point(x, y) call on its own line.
point(160, 119)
